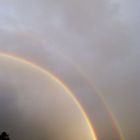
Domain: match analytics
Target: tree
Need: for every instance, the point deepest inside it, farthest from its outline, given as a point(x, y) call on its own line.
point(4, 136)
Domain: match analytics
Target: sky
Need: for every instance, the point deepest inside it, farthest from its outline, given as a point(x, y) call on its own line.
point(90, 45)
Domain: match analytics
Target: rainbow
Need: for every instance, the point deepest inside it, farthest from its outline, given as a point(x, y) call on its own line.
point(59, 82)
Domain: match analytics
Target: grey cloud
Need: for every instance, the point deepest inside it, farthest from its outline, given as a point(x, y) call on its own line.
point(98, 38)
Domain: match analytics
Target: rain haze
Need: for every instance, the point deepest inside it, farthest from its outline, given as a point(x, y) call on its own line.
point(92, 46)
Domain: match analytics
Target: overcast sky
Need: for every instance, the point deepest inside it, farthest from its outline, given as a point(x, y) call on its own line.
point(91, 45)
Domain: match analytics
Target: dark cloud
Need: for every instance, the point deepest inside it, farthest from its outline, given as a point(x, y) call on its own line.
point(14, 121)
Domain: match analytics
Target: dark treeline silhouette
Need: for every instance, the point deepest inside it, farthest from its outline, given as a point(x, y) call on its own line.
point(4, 136)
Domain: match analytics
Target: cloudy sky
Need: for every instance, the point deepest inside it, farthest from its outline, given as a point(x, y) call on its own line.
point(90, 45)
